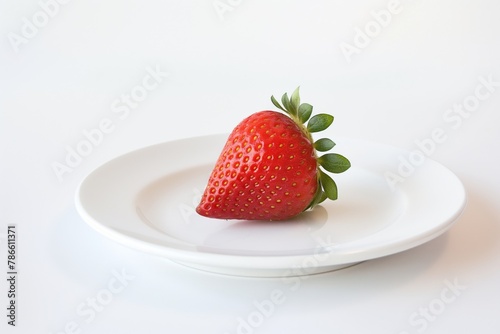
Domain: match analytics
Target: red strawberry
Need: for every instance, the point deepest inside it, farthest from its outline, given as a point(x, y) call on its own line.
point(269, 169)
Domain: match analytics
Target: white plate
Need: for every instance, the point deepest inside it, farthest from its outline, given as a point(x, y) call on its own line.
point(146, 199)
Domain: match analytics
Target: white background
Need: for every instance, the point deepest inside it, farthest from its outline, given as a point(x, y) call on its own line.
point(61, 79)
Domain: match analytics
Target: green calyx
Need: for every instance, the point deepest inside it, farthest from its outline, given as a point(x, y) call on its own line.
point(331, 162)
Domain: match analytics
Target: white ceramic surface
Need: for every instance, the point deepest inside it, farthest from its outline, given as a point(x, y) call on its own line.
point(146, 200)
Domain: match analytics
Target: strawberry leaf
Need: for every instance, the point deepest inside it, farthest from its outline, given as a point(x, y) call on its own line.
point(295, 100)
point(305, 111)
point(277, 105)
point(334, 163)
point(319, 197)
point(329, 185)
point(319, 122)
point(324, 144)
point(323, 197)
point(286, 103)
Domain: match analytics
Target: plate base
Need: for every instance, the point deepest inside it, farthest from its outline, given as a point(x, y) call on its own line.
point(266, 273)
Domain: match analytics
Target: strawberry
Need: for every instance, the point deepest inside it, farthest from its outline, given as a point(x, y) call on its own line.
point(269, 168)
